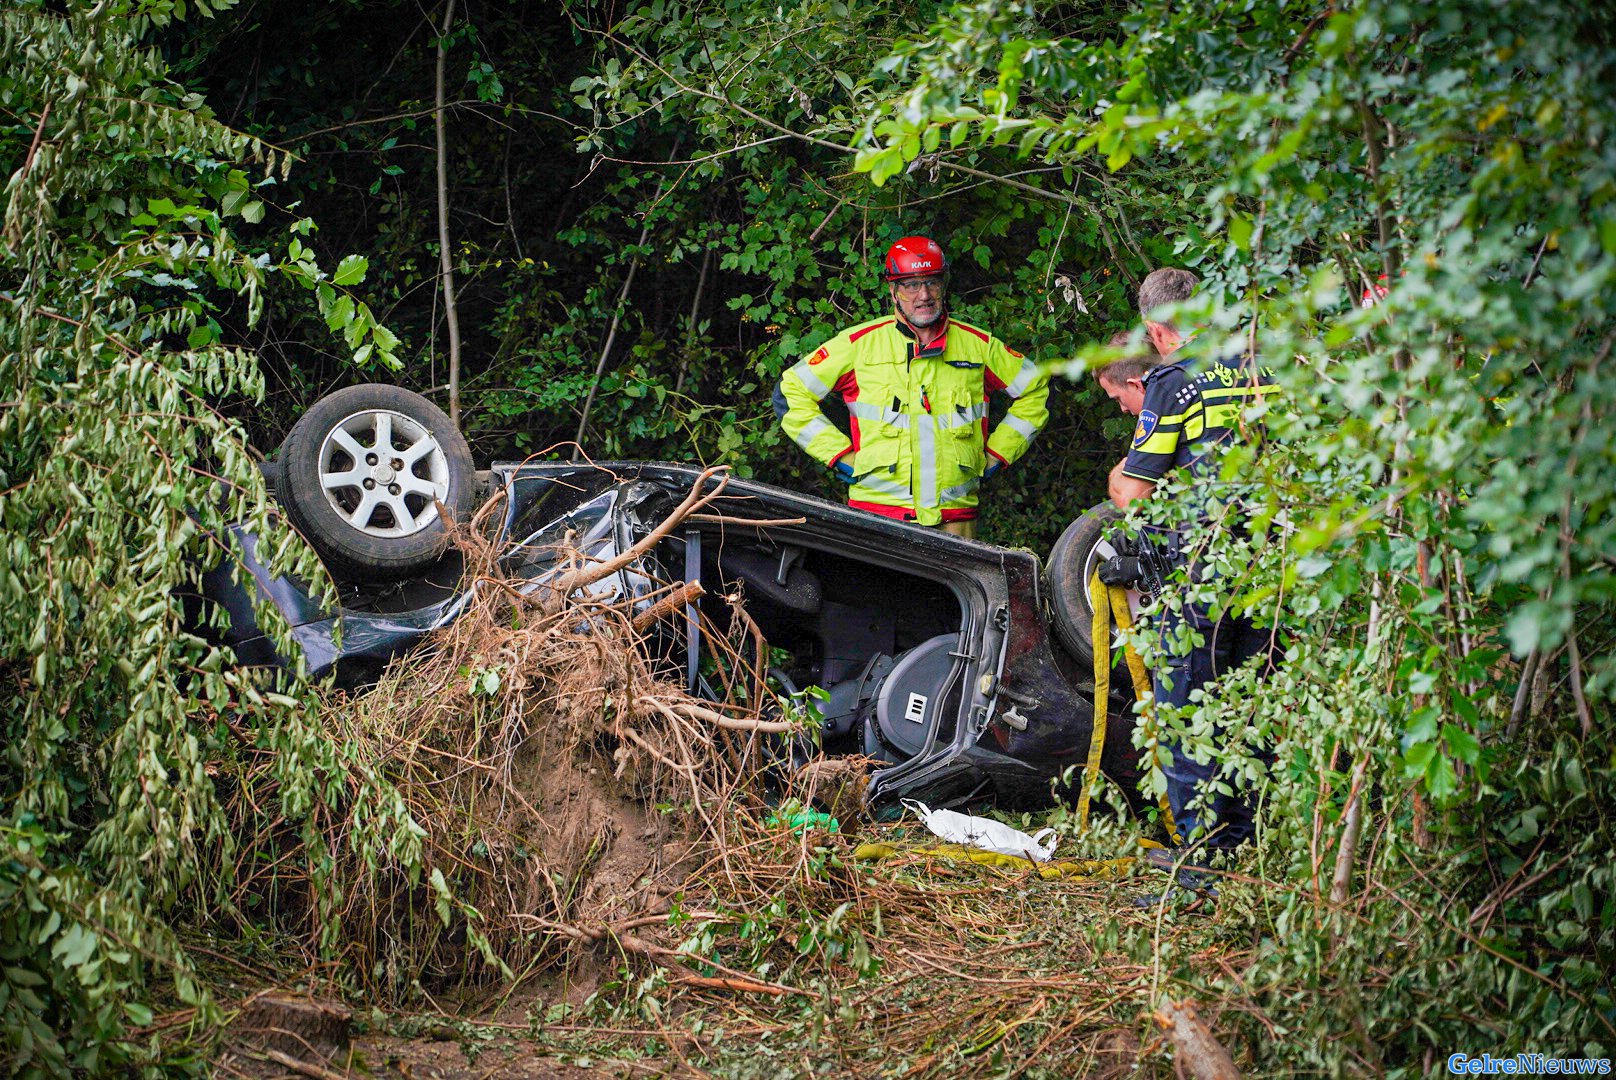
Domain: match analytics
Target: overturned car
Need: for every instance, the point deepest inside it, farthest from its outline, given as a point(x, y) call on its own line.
point(961, 671)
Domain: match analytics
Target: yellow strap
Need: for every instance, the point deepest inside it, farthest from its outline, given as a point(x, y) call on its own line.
point(1068, 869)
point(1100, 642)
point(1107, 602)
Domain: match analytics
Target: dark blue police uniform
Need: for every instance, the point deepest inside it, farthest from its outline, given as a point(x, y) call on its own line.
point(1191, 407)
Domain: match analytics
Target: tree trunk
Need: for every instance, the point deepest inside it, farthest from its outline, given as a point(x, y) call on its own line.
point(1351, 829)
point(445, 253)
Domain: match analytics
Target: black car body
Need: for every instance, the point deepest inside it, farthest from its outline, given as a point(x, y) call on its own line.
point(934, 650)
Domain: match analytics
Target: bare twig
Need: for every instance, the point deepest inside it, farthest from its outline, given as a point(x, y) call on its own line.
point(1302, 39)
point(693, 501)
point(1523, 693)
point(691, 323)
point(1043, 193)
point(1537, 261)
point(773, 727)
point(413, 114)
point(1579, 695)
point(745, 986)
point(813, 236)
point(451, 311)
point(280, 1057)
point(39, 135)
point(617, 318)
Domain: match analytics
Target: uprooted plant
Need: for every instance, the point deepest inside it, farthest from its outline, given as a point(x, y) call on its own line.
point(564, 783)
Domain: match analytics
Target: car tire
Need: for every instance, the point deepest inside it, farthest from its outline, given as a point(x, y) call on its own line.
point(362, 475)
point(1067, 574)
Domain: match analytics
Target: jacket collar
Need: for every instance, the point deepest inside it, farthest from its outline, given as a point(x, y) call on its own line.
point(936, 347)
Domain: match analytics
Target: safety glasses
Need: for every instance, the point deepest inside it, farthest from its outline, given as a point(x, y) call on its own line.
point(934, 285)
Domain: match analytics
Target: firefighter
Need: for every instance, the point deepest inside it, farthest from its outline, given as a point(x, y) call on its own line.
point(916, 383)
point(1191, 404)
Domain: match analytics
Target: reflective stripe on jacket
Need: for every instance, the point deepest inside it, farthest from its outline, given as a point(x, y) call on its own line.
point(1192, 406)
point(919, 419)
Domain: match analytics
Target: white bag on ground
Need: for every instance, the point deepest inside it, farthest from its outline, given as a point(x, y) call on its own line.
point(985, 833)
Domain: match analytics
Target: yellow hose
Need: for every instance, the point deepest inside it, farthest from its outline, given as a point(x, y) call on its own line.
point(1108, 602)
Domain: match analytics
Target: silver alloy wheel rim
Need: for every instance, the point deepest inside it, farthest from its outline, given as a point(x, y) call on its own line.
point(383, 473)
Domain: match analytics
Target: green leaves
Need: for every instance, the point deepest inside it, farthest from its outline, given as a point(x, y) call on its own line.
point(1461, 744)
point(369, 340)
point(882, 163)
point(121, 485)
point(75, 947)
point(1240, 229)
point(1434, 497)
point(1537, 624)
point(484, 683)
point(351, 270)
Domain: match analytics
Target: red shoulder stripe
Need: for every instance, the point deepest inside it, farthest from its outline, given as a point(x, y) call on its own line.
point(860, 333)
point(972, 329)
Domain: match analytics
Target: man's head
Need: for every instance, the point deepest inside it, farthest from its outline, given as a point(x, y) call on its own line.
point(1163, 288)
point(916, 273)
point(1124, 380)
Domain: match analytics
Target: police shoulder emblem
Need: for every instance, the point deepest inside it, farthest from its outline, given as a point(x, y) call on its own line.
point(819, 356)
point(1146, 428)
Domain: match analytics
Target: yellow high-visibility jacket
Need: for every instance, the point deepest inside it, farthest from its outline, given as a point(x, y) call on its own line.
point(919, 417)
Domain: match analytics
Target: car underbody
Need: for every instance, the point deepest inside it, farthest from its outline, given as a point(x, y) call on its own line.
point(932, 652)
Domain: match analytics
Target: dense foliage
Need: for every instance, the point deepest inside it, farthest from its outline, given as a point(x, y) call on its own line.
point(118, 478)
point(665, 204)
point(1435, 522)
point(723, 247)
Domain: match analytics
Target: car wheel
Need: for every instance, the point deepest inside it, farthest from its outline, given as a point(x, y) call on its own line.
point(1072, 561)
point(362, 476)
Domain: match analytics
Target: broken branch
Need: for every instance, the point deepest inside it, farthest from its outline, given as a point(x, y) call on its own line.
point(1199, 1052)
point(671, 604)
point(693, 501)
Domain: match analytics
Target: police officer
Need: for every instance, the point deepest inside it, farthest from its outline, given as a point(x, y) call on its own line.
point(1123, 379)
point(916, 384)
point(1188, 406)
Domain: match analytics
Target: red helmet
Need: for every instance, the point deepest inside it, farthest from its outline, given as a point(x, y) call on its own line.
point(914, 256)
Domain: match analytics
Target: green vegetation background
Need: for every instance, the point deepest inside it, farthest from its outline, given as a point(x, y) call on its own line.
point(213, 217)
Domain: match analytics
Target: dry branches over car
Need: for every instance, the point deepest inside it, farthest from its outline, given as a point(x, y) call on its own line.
point(558, 770)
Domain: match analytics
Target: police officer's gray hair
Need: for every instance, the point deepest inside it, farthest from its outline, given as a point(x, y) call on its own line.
point(1169, 285)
